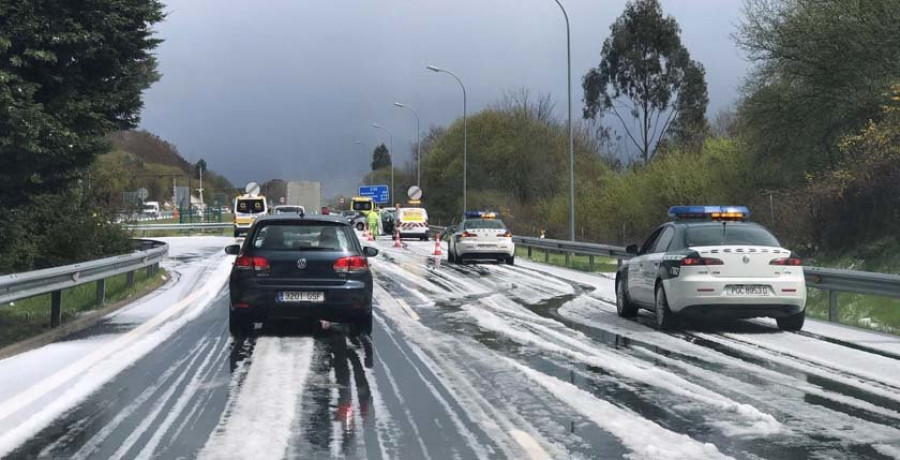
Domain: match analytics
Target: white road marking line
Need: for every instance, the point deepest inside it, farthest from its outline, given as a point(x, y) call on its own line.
point(408, 309)
point(532, 448)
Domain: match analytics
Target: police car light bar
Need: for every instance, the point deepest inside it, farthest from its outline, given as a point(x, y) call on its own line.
point(480, 215)
point(709, 212)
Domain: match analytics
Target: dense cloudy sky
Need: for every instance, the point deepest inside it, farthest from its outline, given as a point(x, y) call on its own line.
point(284, 88)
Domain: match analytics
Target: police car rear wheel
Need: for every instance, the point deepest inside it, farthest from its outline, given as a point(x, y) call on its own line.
point(624, 307)
point(792, 323)
point(665, 319)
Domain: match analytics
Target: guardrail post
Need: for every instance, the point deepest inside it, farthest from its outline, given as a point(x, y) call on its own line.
point(568, 259)
point(529, 252)
point(591, 263)
point(832, 306)
point(129, 279)
point(101, 292)
point(55, 308)
point(546, 256)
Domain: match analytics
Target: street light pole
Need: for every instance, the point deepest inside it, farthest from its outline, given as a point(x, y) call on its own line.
point(418, 143)
point(465, 129)
point(391, 156)
point(571, 128)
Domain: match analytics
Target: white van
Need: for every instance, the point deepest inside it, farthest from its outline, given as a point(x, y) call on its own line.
point(412, 223)
point(150, 209)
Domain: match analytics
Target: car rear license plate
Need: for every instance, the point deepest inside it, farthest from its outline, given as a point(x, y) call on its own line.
point(487, 245)
point(748, 290)
point(301, 297)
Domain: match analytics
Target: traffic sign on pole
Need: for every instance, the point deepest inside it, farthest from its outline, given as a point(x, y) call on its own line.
point(379, 193)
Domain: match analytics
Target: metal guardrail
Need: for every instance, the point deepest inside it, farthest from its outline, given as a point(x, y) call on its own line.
point(53, 280)
point(827, 279)
point(185, 226)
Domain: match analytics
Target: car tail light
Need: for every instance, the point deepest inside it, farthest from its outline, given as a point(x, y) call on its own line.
point(468, 235)
point(353, 264)
point(259, 265)
point(698, 261)
point(505, 235)
point(789, 261)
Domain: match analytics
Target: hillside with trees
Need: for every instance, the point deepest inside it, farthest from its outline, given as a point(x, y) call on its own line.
point(139, 159)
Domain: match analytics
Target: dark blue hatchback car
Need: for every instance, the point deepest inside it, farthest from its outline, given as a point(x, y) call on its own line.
point(293, 267)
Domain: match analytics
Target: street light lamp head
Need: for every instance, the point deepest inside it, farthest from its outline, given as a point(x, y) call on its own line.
point(358, 143)
point(398, 104)
point(433, 68)
point(376, 125)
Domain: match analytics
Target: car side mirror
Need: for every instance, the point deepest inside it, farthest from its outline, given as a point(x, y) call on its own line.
point(631, 249)
point(233, 249)
point(370, 251)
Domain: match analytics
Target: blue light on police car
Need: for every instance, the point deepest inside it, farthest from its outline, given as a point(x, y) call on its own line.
point(480, 215)
point(709, 212)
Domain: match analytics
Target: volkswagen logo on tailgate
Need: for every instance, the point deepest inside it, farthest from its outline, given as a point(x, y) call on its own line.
point(746, 259)
point(301, 263)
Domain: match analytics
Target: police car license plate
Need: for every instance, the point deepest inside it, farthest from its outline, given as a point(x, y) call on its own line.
point(301, 297)
point(748, 290)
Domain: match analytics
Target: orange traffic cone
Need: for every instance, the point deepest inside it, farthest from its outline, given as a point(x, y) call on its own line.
point(397, 243)
point(437, 246)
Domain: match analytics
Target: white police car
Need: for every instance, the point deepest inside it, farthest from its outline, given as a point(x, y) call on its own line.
point(710, 262)
point(480, 236)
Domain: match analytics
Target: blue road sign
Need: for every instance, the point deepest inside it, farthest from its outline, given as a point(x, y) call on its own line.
point(379, 193)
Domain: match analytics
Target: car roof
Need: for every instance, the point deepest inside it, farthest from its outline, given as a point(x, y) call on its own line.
point(306, 218)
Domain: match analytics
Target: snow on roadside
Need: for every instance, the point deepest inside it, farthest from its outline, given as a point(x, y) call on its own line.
point(61, 379)
point(259, 423)
point(645, 439)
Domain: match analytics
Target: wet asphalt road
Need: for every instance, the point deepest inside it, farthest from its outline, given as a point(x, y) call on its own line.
point(484, 362)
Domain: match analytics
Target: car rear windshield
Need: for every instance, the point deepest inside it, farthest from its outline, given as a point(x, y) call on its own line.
point(251, 206)
point(717, 234)
point(302, 237)
point(362, 205)
point(484, 223)
point(287, 210)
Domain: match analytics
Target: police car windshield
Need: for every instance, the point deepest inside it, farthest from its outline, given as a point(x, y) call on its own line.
point(718, 234)
point(484, 223)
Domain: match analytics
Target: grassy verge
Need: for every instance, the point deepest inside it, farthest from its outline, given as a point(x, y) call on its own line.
point(27, 318)
point(866, 311)
point(579, 262)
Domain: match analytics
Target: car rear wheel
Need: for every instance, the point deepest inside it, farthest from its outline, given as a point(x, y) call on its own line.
point(511, 260)
point(239, 327)
point(792, 323)
point(665, 319)
point(360, 226)
point(364, 324)
point(624, 307)
point(237, 233)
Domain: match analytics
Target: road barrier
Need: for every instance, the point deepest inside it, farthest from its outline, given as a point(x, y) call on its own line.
point(831, 280)
point(53, 280)
point(184, 226)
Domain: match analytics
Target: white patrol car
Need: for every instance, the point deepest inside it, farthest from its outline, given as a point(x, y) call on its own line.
point(481, 235)
point(709, 262)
